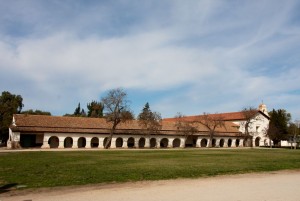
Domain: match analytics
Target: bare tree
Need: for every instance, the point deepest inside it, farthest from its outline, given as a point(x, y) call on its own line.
point(249, 116)
point(116, 110)
point(293, 130)
point(211, 122)
point(187, 128)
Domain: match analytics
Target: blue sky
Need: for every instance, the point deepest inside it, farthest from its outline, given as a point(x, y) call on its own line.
point(180, 56)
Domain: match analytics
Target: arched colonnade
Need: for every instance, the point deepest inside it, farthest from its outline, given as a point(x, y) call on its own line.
point(55, 141)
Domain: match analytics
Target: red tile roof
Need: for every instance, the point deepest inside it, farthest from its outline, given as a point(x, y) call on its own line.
point(41, 123)
point(229, 116)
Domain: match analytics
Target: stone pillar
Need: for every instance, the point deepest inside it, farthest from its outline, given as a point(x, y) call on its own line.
point(75, 142)
point(225, 143)
point(147, 142)
point(233, 143)
point(158, 142)
point(198, 142)
point(253, 142)
point(241, 142)
point(217, 143)
point(136, 142)
point(125, 143)
point(101, 146)
point(113, 143)
point(208, 141)
point(170, 142)
point(61, 142)
point(45, 142)
point(182, 142)
point(88, 143)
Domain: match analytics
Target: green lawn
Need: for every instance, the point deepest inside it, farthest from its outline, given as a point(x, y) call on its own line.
point(47, 169)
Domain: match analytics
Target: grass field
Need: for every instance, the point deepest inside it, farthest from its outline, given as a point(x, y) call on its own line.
point(48, 169)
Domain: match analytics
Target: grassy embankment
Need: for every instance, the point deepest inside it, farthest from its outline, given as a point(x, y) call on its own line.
point(48, 169)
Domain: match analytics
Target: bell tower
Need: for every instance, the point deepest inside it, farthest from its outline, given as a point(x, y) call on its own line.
point(263, 108)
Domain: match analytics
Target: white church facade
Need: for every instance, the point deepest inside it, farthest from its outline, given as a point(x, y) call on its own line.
point(45, 132)
point(258, 127)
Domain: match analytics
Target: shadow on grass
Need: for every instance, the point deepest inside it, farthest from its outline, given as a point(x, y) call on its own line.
point(7, 187)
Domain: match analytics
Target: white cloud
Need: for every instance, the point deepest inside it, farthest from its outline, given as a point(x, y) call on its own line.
point(219, 56)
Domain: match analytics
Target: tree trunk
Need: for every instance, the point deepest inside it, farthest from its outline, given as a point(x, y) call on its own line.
point(108, 142)
point(211, 137)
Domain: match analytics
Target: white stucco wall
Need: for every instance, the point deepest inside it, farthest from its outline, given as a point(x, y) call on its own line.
point(13, 137)
point(257, 129)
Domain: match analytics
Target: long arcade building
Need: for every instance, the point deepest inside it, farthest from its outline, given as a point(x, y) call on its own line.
point(39, 131)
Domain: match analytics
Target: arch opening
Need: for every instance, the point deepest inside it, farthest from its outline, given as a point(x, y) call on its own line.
point(213, 143)
point(68, 142)
point(142, 142)
point(95, 142)
point(119, 142)
point(176, 143)
point(105, 141)
point(191, 141)
point(222, 143)
point(164, 143)
point(152, 143)
point(257, 140)
point(237, 142)
point(229, 142)
point(203, 143)
point(130, 142)
point(81, 142)
point(53, 142)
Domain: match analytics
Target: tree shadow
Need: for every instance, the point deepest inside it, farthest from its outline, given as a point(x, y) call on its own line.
point(7, 187)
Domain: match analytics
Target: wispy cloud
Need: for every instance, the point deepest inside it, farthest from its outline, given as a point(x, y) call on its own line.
point(192, 57)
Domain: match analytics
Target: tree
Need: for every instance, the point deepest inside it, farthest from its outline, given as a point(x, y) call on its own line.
point(211, 122)
point(294, 131)
point(249, 115)
point(95, 109)
point(36, 112)
point(149, 121)
point(185, 127)
point(82, 113)
point(9, 104)
point(116, 110)
point(278, 129)
point(77, 111)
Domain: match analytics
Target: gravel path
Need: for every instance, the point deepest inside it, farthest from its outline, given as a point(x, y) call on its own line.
point(274, 186)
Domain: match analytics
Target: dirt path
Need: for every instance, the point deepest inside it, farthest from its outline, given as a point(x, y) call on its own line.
point(275, 186)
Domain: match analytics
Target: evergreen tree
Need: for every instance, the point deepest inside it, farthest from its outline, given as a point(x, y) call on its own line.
point(148, 120)
point(95, 109)
point(278, 126)
point(82, 113)
point(9, 104)
point(77, 111)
